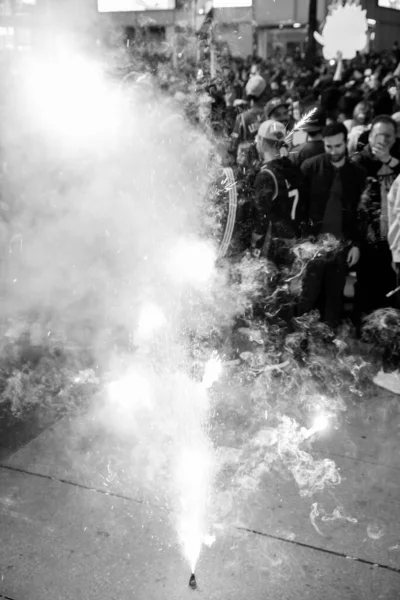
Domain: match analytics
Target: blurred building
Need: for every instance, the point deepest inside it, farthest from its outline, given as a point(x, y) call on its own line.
point(244, 25)
point(16, 18)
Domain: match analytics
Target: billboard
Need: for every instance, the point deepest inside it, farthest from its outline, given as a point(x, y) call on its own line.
point(394, 4)
point(134, 5)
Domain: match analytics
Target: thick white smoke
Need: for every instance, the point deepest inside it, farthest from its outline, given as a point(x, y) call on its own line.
point(105, 185)
point(104, 195)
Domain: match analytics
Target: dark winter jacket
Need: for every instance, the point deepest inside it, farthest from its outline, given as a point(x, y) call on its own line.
point(319, 174)
point(378, 176)
point(278, 197)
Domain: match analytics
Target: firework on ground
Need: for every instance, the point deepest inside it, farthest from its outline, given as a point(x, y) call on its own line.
point(122, 217)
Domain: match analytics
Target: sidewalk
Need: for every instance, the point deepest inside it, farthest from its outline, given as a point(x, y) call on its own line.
point(70, 532)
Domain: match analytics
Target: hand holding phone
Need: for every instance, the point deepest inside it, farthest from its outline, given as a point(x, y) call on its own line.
point(380, 147)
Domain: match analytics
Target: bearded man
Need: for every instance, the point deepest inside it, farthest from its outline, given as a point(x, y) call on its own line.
point(333, 189)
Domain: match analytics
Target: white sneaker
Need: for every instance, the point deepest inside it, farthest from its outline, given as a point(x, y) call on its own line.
point(388, 381)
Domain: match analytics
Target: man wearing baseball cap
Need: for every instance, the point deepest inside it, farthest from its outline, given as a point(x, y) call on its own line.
point(278, 192)
point(277, 109)
point(315, 143)
point(248, 122)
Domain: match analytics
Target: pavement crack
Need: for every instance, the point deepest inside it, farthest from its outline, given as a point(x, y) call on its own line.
point(360, 460)
point(253, 531)
point(363, 561)
point(75, 484)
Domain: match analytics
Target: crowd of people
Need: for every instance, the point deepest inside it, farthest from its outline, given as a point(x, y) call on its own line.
point(308, 152)
point(314, 153)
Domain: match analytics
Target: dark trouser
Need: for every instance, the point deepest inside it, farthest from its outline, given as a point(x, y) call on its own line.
point(279, 252)
point(375, 278)
point(323, 287)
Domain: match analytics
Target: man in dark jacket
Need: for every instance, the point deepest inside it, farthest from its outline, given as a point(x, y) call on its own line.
point(333, 189)
point(375, 276)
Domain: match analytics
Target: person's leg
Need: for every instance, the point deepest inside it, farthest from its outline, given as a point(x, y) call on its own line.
point(365, 293)
point(385, 276)
point(312, 286)
point(375, 278)
point(389, 375)
point(335, 279)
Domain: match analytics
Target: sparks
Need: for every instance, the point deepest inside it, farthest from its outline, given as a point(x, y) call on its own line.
point(305, 118)
point(193, 476)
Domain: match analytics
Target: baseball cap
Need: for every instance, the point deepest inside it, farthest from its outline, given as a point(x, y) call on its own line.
point(316, 121)
point(274, 104)
point(256, 86)
point(272, 130)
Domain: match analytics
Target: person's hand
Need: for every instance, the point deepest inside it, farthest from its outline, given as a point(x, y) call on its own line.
point(255, 238)
point(396, 267)
point(353, 256)
point(381, 152)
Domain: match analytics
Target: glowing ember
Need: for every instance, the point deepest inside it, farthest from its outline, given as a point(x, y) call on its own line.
point(321, 423)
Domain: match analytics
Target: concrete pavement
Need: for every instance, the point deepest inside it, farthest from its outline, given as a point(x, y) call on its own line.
point(70, 530)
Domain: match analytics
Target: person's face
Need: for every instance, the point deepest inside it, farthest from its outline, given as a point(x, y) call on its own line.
point(335, 147)
point(274, 89)
point(382, 134)
point(373, 82)
point(281, 114)
point(259, 146)
point(361, 116)
point(254, 71)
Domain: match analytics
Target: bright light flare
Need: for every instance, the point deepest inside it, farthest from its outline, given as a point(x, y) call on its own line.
point(192, 261)
point(132, 391)
point(321, 423)
point(69, 98)
point(345, 29)
point(151, 319)
point(212, 371)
